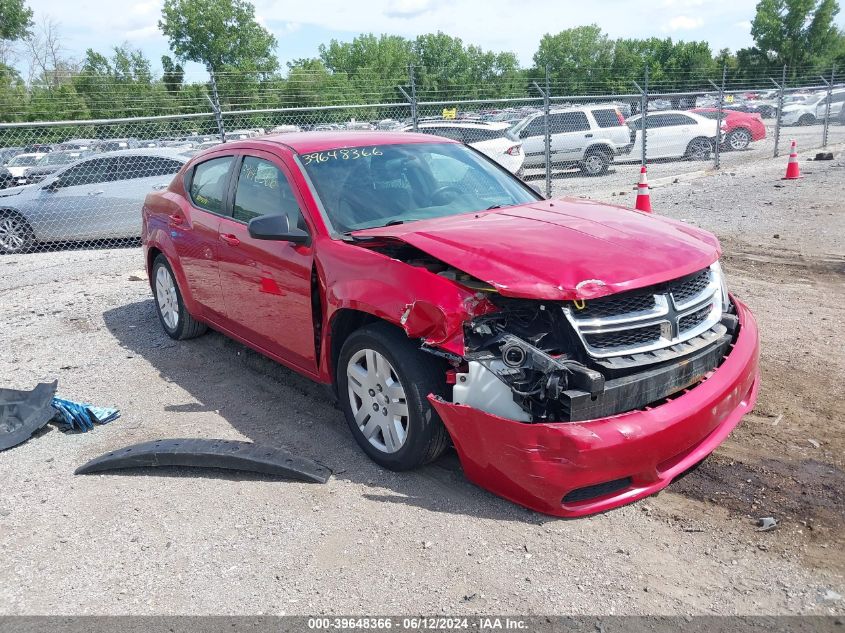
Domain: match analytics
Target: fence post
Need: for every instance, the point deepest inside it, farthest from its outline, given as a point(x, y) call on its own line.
point(827, 107)
point(215, 105)
point(548, 143)
point(719, 115)
point(411, 98)
point(781, 87)
point(643, 119)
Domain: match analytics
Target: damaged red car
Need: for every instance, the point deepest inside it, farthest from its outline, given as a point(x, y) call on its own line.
point(577, 355)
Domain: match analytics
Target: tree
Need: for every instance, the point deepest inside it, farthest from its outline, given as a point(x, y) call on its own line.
point(220, 34)
point(579, 59)
point(15, 20)
point(797, 33)
point(173, 76)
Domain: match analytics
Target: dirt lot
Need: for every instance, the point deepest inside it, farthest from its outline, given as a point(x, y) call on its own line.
point(182, 541)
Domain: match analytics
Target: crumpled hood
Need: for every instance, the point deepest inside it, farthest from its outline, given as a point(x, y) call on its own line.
point(561, 249)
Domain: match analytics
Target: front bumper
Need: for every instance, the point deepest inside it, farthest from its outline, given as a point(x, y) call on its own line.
point(571, 469)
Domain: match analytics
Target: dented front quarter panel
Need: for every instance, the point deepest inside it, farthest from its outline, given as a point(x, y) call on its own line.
point(537, 465)
point(425, 305)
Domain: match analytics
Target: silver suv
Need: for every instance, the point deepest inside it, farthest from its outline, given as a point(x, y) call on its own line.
point(587, 137)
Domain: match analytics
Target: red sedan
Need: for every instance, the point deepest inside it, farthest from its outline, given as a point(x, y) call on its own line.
point(577, 355)
point(740, 128)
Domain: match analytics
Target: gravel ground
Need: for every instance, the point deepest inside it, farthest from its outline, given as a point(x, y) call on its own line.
point(188, 542)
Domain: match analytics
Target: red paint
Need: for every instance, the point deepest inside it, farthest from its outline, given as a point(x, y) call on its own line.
point(260, 293)
point(536, 465)
point(732, 120)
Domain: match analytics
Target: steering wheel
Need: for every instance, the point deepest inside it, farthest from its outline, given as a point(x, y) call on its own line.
point(441, 190)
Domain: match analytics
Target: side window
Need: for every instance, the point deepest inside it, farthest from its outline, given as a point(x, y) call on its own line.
point(89, 172)
point(264, 190)
point(209, 183)
point(606, 118)
point(568, 122)
point(680, 119)
point(536, 127)
point(838, 97)
point(658, 120)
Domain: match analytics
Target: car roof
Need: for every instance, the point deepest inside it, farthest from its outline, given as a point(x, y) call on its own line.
point(28, 154)
point(165, 152)
point(307, 142)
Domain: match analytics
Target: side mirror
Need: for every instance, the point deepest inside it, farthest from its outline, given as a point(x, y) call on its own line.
point(276, 227)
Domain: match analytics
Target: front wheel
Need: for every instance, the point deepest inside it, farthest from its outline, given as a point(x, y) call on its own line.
point(383, 381)
point(174, 316)
point(15, 234)
point(699, 149)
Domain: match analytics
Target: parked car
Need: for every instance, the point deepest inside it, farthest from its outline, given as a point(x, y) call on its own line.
point(18, 165)
point(76, 144)
point(812, 109)
point(94, 198)
point(6, 178)
point(51, 163)
point(115, 144)
point(489, 138)
point(445, 301)
point(8, 153)
point(740, 129)
point(675, 134)
point(38, 148)
point(587, 137)
point(285, 129)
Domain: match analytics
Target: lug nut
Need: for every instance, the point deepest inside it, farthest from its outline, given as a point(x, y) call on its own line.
point(384, 411)
point(375, 406)
point(380, 388)
point(372, 393)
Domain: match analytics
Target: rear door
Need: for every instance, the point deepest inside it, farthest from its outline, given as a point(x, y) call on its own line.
point(571, 134)
point(266, 283)
point(195, 233)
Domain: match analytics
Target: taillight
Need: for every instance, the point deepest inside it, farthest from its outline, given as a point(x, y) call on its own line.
point(513, 150)
point(620, 117)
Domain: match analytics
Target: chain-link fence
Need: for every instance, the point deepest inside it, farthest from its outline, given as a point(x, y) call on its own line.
point(82, 183)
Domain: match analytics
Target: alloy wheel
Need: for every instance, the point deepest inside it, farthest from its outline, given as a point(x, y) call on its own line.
point(13, 233)
point(594, 164)
point(377, 400)
point(168, 300)
point(739, 139)
point(699, 149)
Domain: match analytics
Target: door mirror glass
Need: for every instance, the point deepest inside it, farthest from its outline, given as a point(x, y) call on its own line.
point(275, 227)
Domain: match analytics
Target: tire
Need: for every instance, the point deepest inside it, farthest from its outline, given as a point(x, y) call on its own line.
point(415, 435)
point(738, 139)
point(698, 148)
point(172, 314)
point(595, 163)
point(807, 119)
point(16, 234)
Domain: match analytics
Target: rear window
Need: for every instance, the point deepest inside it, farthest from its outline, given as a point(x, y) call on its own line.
point(208, 183)
point(606, 118)
point(476, 135)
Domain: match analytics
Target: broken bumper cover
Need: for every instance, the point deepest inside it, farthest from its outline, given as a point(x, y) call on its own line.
point(572, 469)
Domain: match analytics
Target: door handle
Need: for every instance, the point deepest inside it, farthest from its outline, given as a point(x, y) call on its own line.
point(588, 136)
point(176, 220)
point(95, 193)
point(230, 239)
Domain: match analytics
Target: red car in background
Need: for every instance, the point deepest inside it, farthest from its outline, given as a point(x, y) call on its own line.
point(740, 128)
point(578, 355)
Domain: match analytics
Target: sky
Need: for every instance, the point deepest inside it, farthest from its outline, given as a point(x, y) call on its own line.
point(511, 25)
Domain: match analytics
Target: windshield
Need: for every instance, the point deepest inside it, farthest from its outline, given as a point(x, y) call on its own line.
point(22, 161)
point(57, 158)
point(365, 187)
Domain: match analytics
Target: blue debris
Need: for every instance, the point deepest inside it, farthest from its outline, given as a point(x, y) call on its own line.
point(82, 416)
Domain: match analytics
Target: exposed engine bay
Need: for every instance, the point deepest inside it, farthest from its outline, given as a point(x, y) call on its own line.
point(564, 361)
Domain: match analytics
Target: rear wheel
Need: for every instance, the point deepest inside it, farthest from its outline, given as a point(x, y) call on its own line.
point(699, 149)
point(383, 382)
point(16, 235)
point(595, 163)
point(174, 317)
point(738, 139)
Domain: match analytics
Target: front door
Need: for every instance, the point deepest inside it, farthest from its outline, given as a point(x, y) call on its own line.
point(267, 283)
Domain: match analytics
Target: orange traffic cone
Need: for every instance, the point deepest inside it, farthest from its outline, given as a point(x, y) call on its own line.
point(793, 171)
point(643, 198)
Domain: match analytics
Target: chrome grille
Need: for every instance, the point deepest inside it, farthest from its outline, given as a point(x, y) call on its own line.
point(649, 319)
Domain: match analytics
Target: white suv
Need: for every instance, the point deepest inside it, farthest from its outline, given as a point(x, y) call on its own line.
point(488, 137)
point(587, 137)
point(811, 110)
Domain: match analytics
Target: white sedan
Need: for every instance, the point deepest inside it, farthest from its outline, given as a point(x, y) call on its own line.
point(488, 137)
point(673, 134)
point(19, 164)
